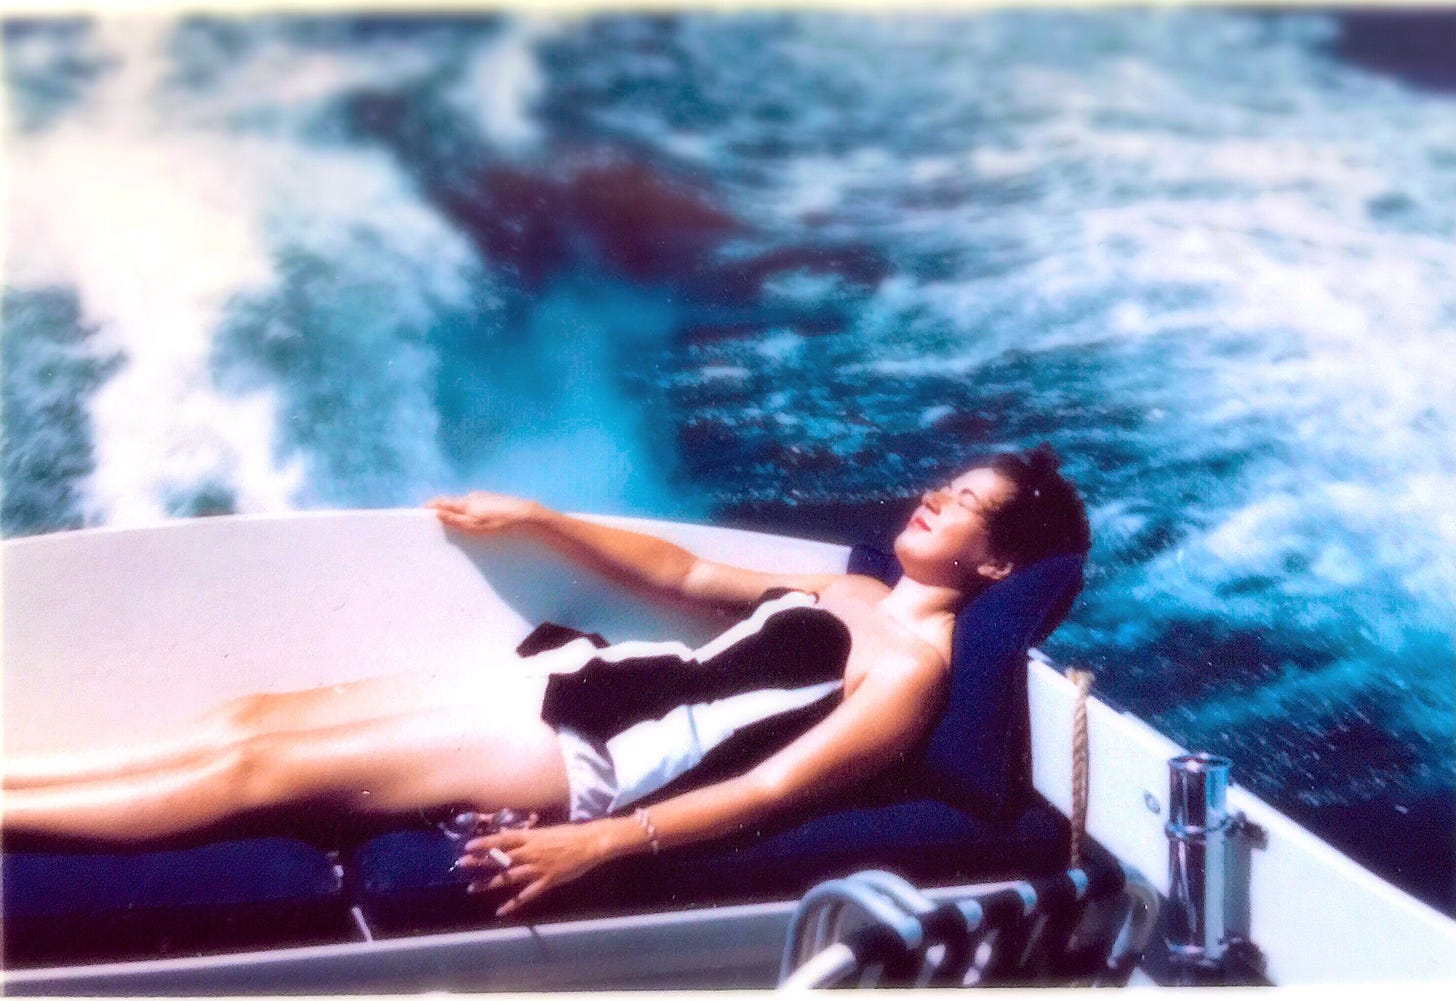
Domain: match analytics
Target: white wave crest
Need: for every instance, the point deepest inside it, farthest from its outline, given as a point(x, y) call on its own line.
point(162, 222)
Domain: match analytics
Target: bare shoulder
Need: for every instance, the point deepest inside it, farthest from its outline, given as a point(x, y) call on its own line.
point(915, 660)
point(899, 681)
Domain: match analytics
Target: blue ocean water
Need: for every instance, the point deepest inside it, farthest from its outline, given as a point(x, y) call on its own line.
point(787, 270)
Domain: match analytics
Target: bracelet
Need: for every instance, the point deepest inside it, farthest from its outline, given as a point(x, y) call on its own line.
point(645, 821)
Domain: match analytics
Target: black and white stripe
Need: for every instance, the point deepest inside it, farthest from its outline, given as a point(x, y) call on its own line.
point(789, 650)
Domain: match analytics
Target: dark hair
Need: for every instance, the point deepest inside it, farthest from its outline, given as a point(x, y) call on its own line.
point(1044, 517)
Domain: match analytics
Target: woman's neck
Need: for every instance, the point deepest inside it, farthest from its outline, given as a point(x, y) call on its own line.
point(928, 610)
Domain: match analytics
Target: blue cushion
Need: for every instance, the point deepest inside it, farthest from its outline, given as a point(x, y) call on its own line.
point(924, 839)
point(979, 754)
point(405, 880)
point(73, 906)
point(251, 870)
point(408, 859)
point(406, 883)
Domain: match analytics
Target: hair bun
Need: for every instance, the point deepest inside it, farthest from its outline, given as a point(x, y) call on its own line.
point(1044, 516)
point(1044, 459)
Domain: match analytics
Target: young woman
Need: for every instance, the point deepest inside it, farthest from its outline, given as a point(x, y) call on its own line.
point(828, 680)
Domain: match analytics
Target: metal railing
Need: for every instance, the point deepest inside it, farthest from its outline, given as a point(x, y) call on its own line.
point(1042, 931)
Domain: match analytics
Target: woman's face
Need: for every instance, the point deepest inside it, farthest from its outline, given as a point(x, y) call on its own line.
point(947, 540)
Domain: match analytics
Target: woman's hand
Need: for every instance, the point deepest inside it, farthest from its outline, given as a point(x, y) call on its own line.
point(482, 512)
point(539, 859)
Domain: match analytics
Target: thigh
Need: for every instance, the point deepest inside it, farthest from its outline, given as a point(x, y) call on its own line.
point(485, 757)
point(373, 698)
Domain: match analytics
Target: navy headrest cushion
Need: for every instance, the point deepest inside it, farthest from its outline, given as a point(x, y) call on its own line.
point(979, 755)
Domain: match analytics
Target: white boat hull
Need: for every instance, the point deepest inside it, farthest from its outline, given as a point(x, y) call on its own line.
point(115, 633)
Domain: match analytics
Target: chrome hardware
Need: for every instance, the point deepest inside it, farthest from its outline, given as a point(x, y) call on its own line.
point(1207, 920)
point(819, 919)
point(1243, 829)
point(1197, 829)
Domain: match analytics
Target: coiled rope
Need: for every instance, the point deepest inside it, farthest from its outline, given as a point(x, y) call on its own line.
point(1082, 680)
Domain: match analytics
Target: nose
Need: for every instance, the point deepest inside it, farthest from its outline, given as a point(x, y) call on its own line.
point(933, 499)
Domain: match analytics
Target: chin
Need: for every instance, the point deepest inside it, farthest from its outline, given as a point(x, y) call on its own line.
point(932, 572)
point(904, 548)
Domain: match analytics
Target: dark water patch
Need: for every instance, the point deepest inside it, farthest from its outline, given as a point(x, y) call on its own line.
point(1100, 461)
point(1310, 745)
point(965, 425)
point(622, 215)
point(515, 217)
point(1394, 208)
point(205, 50)
point(1415, 45)
point(432, 140)
point(50, 66)
point(804, 416)
point(757, 84)
point(796, 458)
point(707, 445)
point(1153, 533)
point(873, 522)
point(644, 223)
point(641, 222)
point(1359, 736)
point(652, 65)
point(348, 32)
point(1180, 485)
point(1409, 840)
point(939, 196)
point(769, 461)
point(752, 325)
point(1190, 660)
point(948, 194)
point(49, 371)
point(744, 279)
point(1043, 391)
point(952, 263)
point(201, 500)
point(1245, 585)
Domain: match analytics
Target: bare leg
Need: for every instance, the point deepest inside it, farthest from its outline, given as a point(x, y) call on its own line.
point(248, 716)
point(423, 759)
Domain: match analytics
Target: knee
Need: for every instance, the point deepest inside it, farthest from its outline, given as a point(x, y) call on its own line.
point(243, 717)
point(240, 720)
point(288, 768)
point(260, 770)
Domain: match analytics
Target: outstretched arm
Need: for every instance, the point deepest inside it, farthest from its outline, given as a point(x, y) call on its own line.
point(865, 734)
point(629, 558)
